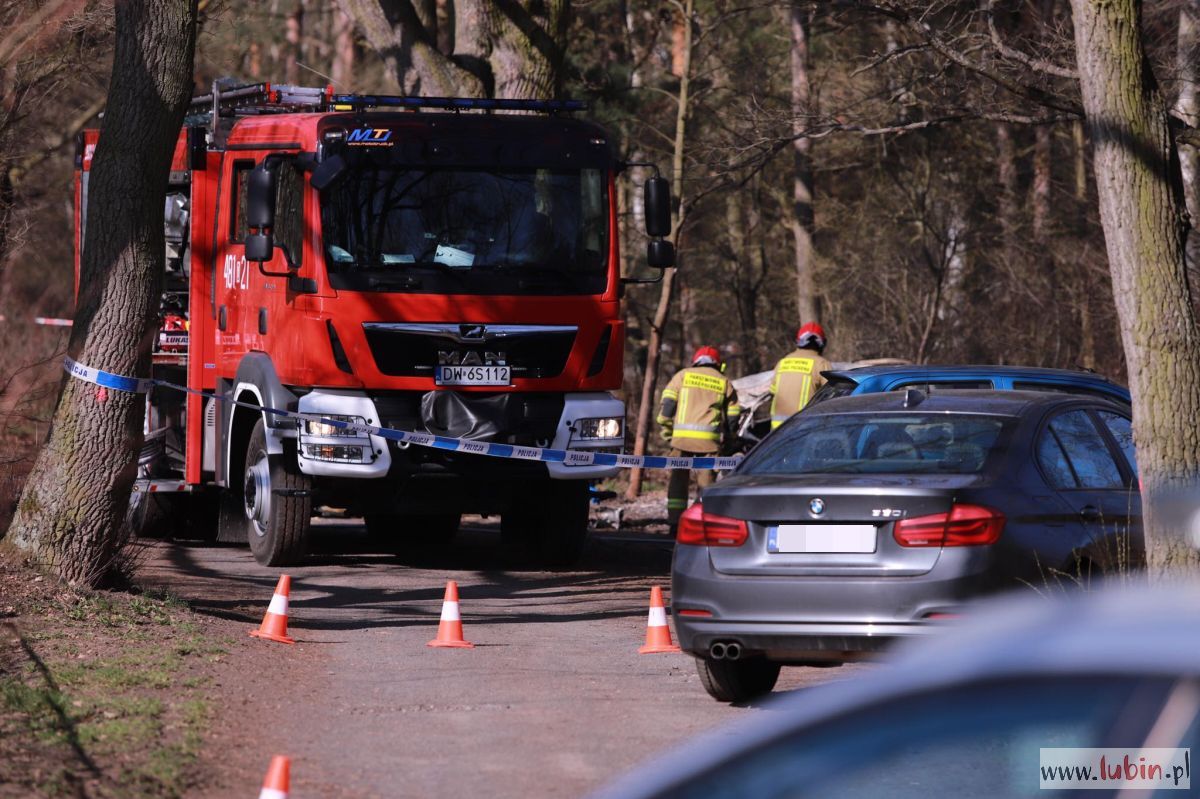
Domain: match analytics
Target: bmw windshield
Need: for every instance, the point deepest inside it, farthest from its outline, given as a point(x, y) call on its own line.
point(467, 230)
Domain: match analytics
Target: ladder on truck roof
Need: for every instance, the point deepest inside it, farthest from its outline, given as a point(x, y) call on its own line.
point(227, 102)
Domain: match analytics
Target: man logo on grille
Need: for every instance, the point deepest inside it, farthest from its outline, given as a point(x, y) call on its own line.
point(472, 332)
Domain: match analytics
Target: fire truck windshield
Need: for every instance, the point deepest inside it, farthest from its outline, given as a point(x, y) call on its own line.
point(467, 230)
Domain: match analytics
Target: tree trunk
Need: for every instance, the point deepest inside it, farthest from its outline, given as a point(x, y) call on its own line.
point(663, 310)
point(344, 53)
point(502, 48)
point(1143, 217)
point(294, 35)
point(1010, 210)
point(802, 192)
point(71, 513)
point(1080, 145)
point(1186, 105)
point(1042, 159)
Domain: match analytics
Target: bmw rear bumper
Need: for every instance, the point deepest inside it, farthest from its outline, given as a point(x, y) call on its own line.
point(807, 619)
point(797, 643)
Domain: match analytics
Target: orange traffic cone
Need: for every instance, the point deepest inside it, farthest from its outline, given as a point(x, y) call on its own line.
point(450, 627)
point(275, 784)
point(658, 634)
point(274, 623)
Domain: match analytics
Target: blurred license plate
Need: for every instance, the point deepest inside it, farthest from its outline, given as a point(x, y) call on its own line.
point(473, 376)
point(810, 538)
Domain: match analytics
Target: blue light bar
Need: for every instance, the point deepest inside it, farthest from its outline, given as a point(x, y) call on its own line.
point(457, 103)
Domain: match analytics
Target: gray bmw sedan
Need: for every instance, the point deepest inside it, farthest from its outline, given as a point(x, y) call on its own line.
point(868, 518)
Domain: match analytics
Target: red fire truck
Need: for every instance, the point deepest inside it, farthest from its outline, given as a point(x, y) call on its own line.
point(432, 264)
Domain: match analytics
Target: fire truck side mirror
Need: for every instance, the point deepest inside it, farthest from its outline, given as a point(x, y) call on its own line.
point(328, 172)
point(260, 246)
point(657, 204)
point(260, 213)
point(260, 197)
point(660, 253)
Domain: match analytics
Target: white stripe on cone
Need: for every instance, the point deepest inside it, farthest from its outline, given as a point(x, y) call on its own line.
point(279, 605)
point(658, 617)
point(450, 612)
point(271, 793)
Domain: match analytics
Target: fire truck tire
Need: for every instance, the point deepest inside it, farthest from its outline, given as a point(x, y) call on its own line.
point(147, 517)
point(186, 516)
point(413, 536)
point(549, 525)
point(276, 500)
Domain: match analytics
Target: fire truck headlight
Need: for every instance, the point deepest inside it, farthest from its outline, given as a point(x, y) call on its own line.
point(605, 427)
point(325, 430)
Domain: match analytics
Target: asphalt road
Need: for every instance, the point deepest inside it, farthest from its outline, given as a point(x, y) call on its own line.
point(553, 701)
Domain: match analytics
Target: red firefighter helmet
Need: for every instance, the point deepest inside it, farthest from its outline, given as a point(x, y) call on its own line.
point(811, 337)
point(706, 356)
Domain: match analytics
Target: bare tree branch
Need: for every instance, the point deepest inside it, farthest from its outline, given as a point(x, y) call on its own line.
point(935, 40)
point(1036, 64)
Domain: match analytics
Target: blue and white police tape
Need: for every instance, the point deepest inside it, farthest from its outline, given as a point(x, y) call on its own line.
point(570, 457)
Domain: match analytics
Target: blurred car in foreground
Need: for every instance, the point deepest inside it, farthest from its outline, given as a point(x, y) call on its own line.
point(864, 518)
point(969, 711)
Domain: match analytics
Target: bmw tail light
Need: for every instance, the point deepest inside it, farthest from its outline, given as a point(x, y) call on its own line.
point(701, 529)
point(963, 526)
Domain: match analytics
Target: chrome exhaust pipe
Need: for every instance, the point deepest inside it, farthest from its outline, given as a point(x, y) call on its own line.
point(733, 650)
point(717, 651)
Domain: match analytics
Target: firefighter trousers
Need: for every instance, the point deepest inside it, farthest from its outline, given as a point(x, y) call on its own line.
point(678, 488)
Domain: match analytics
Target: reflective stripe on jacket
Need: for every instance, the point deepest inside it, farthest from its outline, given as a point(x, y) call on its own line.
point(697, 405)
point(797, 377)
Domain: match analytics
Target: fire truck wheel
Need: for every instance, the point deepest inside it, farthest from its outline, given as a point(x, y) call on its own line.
point(276, 502)
point(413, 536)
point(147, 516)
point(549, 524)
point(185, 516)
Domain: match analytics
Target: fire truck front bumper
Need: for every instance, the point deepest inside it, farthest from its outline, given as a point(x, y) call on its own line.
point(587, 421)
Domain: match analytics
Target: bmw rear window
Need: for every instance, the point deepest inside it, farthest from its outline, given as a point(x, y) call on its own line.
point(874, 443)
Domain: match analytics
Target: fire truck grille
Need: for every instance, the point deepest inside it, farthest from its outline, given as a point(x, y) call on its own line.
point(415, 350)
point(522, 419)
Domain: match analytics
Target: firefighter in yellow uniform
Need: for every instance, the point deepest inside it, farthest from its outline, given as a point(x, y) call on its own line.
point(699, 410)
point(798, 374)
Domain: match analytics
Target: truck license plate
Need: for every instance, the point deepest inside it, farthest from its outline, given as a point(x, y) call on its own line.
point(473, 376)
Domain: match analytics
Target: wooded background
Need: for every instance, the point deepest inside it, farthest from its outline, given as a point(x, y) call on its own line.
point(916, 175)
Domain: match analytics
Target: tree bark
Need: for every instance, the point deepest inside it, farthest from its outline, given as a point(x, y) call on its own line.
point(1186, 106)
point(802, 190)
point(294, 34)
point(663, 311)
point(70, 517)
point(1144, 220)
point(1042, 160)
point(1010, 211)
point(344, 51)
point(502, 48)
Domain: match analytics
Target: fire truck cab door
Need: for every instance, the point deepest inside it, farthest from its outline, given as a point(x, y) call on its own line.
point(252, 306)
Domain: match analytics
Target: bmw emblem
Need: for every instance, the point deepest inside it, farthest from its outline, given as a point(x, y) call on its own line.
point(816, 506)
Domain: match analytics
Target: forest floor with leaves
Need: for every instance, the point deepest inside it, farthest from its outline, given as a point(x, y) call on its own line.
point(154, 690)
point(102, 693)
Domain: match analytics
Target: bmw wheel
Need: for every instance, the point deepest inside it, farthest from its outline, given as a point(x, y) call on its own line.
point(737, 680)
